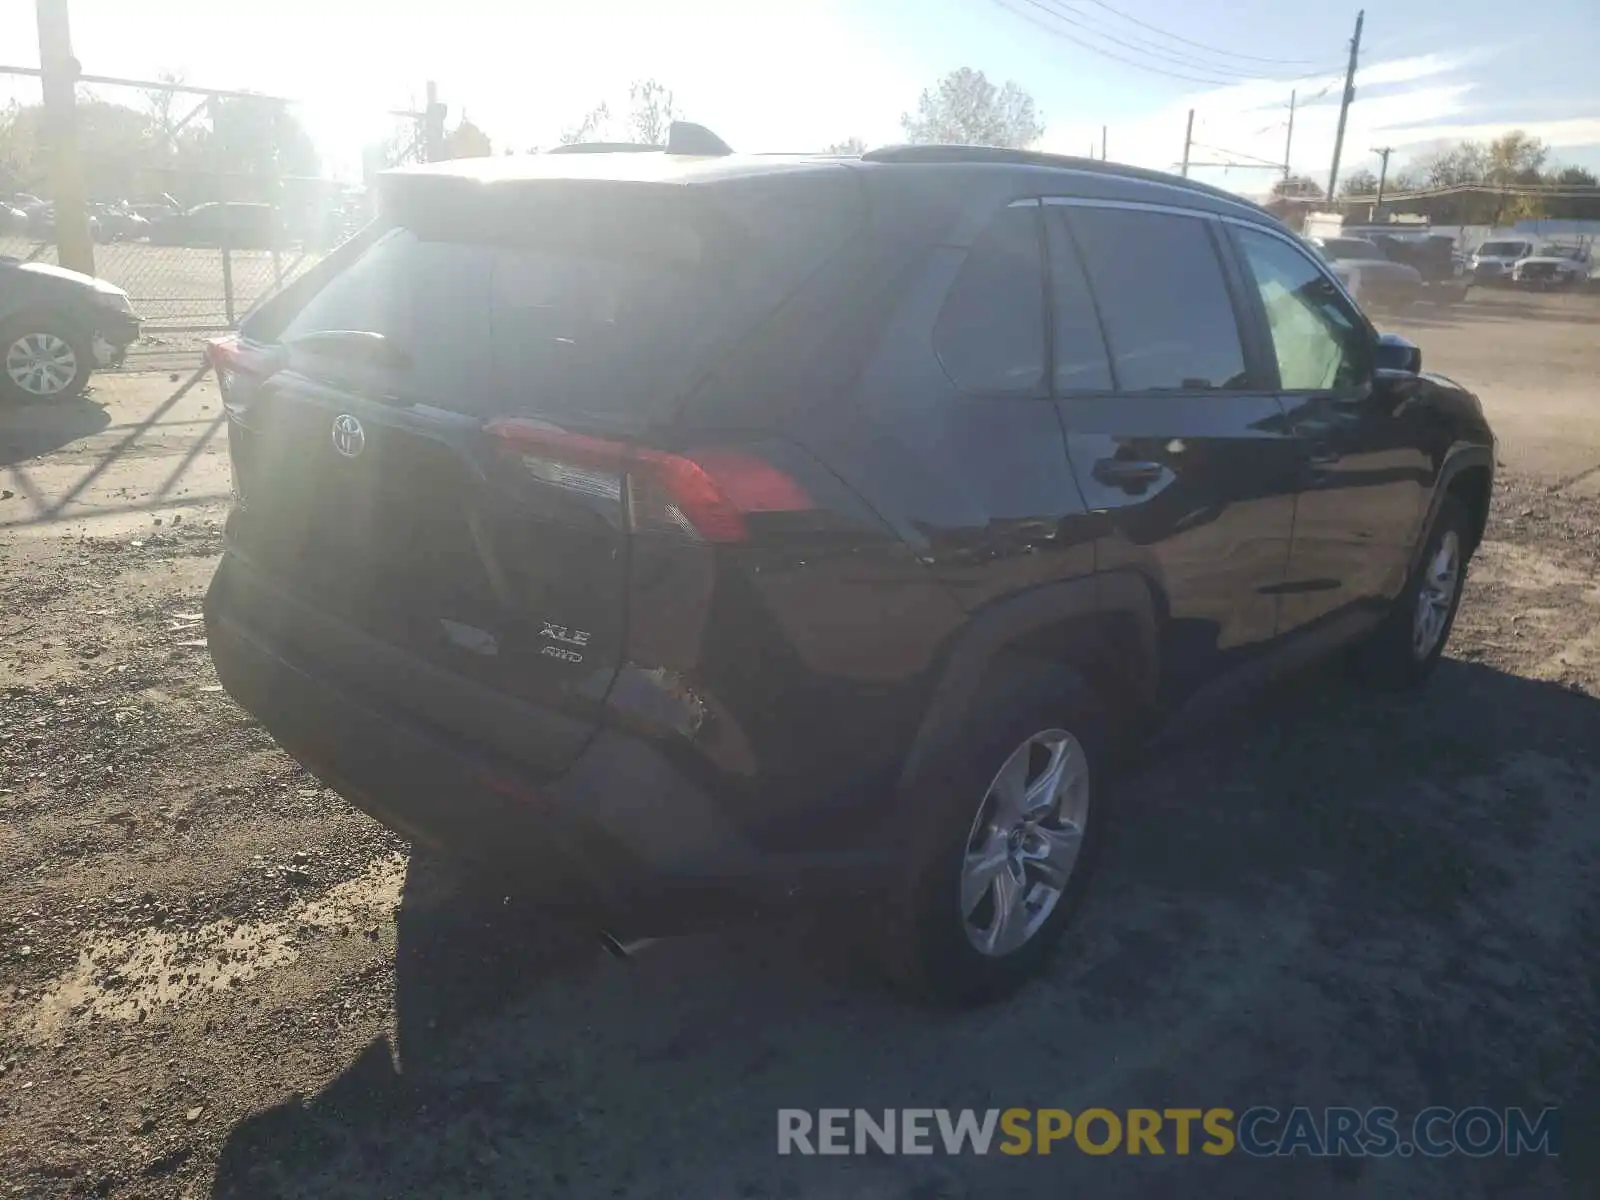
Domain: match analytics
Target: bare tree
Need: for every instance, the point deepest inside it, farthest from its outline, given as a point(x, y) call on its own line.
point(162, 105)
point(591, 128)
point(966, 109)
point(851, 145)
point(1297, 187)
point(652, 112)
point(1359, 183)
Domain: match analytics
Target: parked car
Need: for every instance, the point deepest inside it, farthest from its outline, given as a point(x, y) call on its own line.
point(119, 222)
point(42, 223)
point(1434, 257)
point(665, 535)
point(238, 226)
point(57, 326)
point(1553, 266)
point(1494, 261)
point(153, 211)
point(1384, 283)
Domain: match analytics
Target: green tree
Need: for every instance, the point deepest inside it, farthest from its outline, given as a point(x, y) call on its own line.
point(1515, 157)
point(964, 108)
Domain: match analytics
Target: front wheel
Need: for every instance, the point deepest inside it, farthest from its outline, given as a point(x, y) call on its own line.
point(1405, 649)
point(1006, 822)
point(42, 358)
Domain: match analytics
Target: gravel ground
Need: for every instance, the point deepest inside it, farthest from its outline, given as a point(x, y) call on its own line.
point(217, 979)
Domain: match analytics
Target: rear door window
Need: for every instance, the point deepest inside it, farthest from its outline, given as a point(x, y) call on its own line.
point(990, 334)
point(1163, 300)
point(1078, 347)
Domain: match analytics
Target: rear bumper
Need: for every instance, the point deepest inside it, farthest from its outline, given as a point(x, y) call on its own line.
point(622, 836)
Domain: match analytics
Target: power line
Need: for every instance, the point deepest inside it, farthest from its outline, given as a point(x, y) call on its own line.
point(1178, 37)
point(1054, 31)
point(1153, 49)
point(1266, 162)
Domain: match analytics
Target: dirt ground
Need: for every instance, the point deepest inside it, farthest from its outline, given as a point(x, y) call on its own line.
point(217, 979)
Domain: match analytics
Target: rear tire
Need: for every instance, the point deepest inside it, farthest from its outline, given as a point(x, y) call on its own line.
point(976, 907)
point(1405, 649)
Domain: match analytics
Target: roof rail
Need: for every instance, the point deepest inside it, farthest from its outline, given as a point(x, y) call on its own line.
point(1037, 158)
point(685, 137)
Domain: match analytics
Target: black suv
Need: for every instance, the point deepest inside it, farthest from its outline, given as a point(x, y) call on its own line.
point(669, 534)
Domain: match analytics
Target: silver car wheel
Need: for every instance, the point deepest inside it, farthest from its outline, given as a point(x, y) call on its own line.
point(1441, 580)
point(1024, 842)
point(41, 364)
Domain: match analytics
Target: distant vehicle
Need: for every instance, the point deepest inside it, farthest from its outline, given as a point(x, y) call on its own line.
point(42, 222)
point(119, 223)
point(26, 201)
point(1384, 283)
point(154, 211)
point(1553, 266)
point(1494, 261)
point(236, 225)
point(57, 326)
point(1433, 255)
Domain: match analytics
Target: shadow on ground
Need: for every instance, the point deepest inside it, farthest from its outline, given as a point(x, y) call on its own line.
point(1327, 898)
point(30, 430)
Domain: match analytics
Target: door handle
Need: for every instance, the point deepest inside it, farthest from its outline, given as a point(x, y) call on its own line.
point(1130, 474)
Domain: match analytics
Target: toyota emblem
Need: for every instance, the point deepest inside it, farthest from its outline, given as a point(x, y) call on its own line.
point(349, 439)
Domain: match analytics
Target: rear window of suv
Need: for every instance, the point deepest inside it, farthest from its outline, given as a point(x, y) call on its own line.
point(564, 297)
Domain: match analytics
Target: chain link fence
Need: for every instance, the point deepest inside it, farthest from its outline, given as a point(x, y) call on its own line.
point(201, 203)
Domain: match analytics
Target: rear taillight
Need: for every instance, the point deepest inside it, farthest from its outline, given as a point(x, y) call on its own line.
point(703, 494)
point(239, 367)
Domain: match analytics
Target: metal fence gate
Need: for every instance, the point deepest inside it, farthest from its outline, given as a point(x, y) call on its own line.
point(201, 202)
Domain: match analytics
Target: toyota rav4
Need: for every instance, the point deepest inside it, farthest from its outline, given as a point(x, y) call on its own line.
point(669, 534)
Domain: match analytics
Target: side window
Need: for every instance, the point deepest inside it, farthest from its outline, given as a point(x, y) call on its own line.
point(1082, 363)
point(1319, 341)
point(1168, 318)
point(990, 332)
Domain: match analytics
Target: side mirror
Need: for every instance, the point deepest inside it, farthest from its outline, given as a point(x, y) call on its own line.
point(1395, 353)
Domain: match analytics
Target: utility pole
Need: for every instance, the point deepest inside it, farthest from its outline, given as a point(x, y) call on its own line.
point(1188, 139)
point(1344, 107)
point(1383, 153)
point(59, 72)
point(1102, 143)
point(1288, 142)
point(433, 126)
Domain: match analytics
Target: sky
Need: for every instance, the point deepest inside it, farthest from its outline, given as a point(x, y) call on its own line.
point(776, 75)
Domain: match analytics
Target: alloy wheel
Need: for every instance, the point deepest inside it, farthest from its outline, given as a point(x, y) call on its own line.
point(1024, 842)
point(41, 364)
point(1440, 580)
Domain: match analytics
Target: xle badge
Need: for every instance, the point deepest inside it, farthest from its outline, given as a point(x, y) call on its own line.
point(567, 638)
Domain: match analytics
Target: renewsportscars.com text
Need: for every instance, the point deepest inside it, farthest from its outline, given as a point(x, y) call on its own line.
point(1259, 1132)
